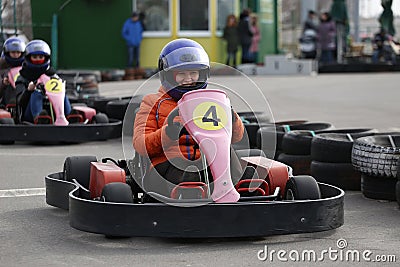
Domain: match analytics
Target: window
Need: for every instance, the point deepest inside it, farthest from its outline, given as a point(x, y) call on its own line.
point(194, 17)
point(156, 17)
point(224, 8)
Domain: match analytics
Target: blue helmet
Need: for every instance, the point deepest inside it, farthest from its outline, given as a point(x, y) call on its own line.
point(13, 44)
point(37, 47)
point(183, 54)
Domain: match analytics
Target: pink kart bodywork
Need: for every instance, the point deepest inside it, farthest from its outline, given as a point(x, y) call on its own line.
point(87, 112)
point(55, 91)
point(13, 75)
point(206, 114)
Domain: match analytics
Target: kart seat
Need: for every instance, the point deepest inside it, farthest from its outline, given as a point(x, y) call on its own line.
point(189, 190)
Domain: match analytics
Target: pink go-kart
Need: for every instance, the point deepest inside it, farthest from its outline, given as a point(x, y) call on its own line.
point(107, 197)
point(82, 124)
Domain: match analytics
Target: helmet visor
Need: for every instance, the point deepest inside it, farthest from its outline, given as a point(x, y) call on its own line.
point(189, 58)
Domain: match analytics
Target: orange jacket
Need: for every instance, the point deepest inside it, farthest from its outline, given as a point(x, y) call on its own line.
point(150, 138)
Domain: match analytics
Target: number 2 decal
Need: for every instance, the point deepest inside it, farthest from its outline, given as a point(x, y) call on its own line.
point(210, 116)
point(54, 85)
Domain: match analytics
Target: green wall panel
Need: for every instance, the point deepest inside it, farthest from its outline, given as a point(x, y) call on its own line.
point(89, 31)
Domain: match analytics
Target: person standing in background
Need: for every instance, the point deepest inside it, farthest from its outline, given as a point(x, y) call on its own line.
point(310, 24)
point(232, 39)
point(326, 38)
point(245, 35)
point(253, 50)
point(132, 32)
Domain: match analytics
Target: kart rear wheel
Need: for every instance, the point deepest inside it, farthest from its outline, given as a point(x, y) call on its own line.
point(117, 193)
point(78, 168)
point(100, 118)
point(302, 187)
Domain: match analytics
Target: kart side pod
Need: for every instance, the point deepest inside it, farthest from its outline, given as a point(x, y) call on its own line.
point(207, 116)
point(102, 174)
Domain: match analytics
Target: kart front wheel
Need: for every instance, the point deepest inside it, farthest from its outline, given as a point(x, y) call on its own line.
point(78, 168)
point(100, 118)
point(117, 192)
point(302, 187)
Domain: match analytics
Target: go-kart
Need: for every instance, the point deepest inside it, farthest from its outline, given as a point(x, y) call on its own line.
point(82, 124)
point(107, 197)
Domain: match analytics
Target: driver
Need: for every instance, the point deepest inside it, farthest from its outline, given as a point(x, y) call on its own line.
point(183, 66)
point(12, 56)
point(36, 63)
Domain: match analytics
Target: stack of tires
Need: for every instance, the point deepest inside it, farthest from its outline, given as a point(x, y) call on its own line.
point(296, 147)
point(289, 142)
point(252, 121)
point(331, 157)
point(80, 85)
point(134, 74)
point(377, 158)
point(116, 108)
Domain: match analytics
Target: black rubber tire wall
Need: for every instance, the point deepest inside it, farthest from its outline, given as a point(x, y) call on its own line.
point(375, 155)
point(375, 187)
point(342, 175)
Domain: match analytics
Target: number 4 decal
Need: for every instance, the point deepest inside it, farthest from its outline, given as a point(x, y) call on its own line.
point(214, 118)
point(210, 116)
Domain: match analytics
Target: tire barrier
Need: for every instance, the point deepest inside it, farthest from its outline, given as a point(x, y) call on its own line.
point(377, 158)
point(275, 133)
point(331, 157)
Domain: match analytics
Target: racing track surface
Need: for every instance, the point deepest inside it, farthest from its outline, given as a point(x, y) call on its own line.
point(35, 234)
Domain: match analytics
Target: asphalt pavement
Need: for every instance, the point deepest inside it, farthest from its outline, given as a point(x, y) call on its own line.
point(33, 233)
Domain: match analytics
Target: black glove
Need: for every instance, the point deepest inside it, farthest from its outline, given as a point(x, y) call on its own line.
point(173, 131)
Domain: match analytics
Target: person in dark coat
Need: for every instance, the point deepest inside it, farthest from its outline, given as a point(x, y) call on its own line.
point(245, 35)
point(232, 39)
point(326, 38)
point(310, 24)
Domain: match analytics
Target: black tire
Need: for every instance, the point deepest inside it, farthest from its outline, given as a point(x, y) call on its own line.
point(375, 187)
point(100, 118)
point(7, 121)
point(116, 109)
point(278, 129)
point(376, 155)
point(299, 163)
point(354, 132)
point(335, 146)
point(100, 103)
point(302, 187)
point(78, 168)
point(117, 192)
point(297, 142)
point(342, 175)
point(311, 126)
point(268, 134)
point(254, 117)
point(332, 147)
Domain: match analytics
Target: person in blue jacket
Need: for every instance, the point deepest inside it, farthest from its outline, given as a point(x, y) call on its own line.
point(132, 32)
